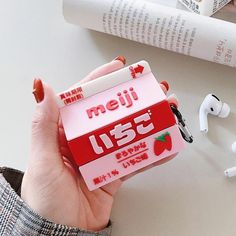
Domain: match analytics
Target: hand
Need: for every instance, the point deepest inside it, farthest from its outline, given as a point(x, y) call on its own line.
point(52, 186)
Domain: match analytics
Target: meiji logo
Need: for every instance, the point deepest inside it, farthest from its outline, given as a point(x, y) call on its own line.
point(123, 99)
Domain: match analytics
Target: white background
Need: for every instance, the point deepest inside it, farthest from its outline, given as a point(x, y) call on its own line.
point(188, 196)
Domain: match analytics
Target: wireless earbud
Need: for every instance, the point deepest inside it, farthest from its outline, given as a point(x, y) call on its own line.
point(234, 147)
point(214, 106)
point(231, 172)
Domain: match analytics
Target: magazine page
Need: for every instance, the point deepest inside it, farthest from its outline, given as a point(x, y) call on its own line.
point(158, 25)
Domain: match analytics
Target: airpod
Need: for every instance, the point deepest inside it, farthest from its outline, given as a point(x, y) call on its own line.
point(230, 172)
point(214, 106)
point(234, 147)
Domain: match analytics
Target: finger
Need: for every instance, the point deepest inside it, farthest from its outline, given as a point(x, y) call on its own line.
point(112, 187)
point(105, 69)
point(72, 167)
point(45, 125)
point(165, 86)
point(64, 147)
point(172, 99)
point(161, 162)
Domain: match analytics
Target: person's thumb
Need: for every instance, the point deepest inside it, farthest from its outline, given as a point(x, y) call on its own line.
point(45, 146)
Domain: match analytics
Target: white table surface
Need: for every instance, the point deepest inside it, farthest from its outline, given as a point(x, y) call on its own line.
point(188, 196)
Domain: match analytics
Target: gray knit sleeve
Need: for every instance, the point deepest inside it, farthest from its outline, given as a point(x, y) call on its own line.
point(16, 218)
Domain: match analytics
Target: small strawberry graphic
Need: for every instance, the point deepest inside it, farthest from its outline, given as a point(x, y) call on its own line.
point(162, 143)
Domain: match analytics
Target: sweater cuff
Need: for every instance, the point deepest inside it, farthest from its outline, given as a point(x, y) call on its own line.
point(16, 218)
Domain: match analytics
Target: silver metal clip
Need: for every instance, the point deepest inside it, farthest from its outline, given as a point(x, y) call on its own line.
point(186, 134)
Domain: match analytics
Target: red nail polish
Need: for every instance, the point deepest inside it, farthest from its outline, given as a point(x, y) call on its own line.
point(38, 90)
point(165, 83)
point(121, 58)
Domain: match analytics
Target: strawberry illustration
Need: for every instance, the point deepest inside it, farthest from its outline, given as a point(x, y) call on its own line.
point(162, 143)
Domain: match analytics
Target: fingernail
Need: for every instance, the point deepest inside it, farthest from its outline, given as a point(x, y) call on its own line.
point(173, 100)
point(121, 58)
point(165, 83)
point(38, 90)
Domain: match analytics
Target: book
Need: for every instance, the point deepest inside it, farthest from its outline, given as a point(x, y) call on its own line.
point(152, 23)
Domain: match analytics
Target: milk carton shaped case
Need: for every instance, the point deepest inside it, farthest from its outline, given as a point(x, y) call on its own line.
point(118, 124)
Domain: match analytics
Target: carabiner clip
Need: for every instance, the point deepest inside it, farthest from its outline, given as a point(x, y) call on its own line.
point(187, 136)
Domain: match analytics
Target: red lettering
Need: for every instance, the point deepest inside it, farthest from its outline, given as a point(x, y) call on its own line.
point(67, 101)
point(79, 96)
point(62, 96)
point(126, 99)
point(73, 99)
point(73, 91)
point(79, 89)
point(133, 93)
point(95, 110)
point(68, 94)
point(112, 105)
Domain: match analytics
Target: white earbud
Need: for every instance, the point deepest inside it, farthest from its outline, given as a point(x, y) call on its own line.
point(212, 105)
point(231, 172)
point(234, 147)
